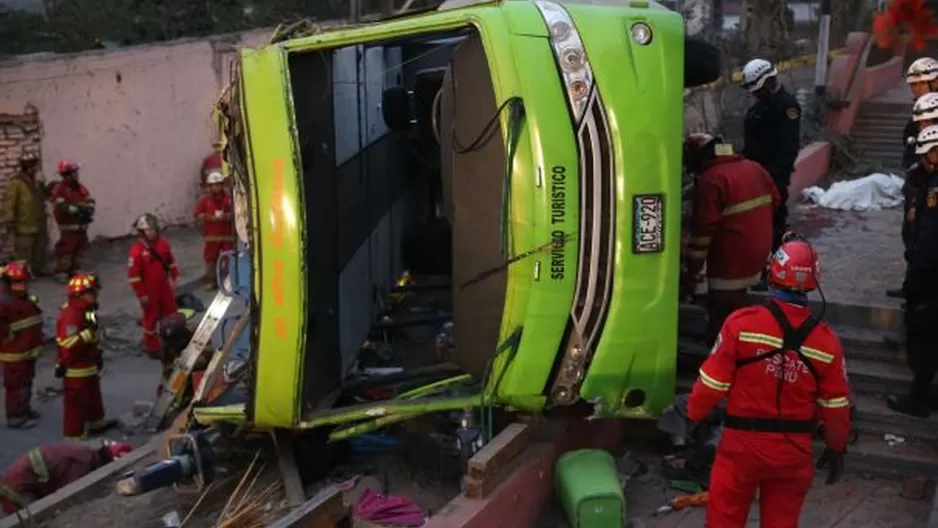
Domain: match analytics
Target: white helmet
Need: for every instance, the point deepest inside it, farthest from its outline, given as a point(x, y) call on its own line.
point(922, 70)
point(146, 221)
point(756, 72)
point(927, 140)
point(214, 177)
point(926, 107)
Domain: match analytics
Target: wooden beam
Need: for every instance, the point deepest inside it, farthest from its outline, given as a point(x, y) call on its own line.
point(292, 483)
point(495, 455)
point(325, 510)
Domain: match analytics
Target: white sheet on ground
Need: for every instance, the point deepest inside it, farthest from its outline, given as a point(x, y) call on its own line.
point(871, 193)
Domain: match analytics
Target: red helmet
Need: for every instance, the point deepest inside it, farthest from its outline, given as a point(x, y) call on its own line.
point(117, 449)
point(68, 167)
point(81, 283)
point(17, 271)
point(794, 267)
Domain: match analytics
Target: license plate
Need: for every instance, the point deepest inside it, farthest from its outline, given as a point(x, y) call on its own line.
point(648, 223)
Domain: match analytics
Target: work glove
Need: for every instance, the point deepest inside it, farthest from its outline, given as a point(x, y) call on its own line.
point(144, 302)
point(834, 462)
point(59, 371)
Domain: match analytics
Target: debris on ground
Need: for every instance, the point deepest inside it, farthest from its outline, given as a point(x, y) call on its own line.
point(871, 193)
point(683, 502)
point(893, 440)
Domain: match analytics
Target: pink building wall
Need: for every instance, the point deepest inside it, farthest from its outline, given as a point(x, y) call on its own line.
point(137, 119)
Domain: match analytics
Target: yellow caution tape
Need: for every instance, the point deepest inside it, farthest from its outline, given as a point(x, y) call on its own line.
point(737, 76)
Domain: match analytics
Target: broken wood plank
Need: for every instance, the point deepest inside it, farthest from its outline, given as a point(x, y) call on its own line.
point(292, 484)
point(481, 488)
point(325, 510)
point(505, 447)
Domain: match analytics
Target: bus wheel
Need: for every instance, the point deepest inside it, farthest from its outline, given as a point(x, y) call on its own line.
point(701, 63)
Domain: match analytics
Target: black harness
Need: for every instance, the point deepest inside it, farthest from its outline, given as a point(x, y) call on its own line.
point(792, 339)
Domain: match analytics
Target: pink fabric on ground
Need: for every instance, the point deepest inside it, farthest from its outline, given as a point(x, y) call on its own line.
point(391, 510)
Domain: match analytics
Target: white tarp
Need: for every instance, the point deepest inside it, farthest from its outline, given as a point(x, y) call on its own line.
point(871, 193)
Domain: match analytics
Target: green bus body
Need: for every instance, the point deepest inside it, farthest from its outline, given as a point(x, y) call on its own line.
point(633, 132)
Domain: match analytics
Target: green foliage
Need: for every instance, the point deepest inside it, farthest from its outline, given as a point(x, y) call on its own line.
point(77, 25)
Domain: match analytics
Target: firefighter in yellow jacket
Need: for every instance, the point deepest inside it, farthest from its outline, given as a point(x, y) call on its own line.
point(23, 214)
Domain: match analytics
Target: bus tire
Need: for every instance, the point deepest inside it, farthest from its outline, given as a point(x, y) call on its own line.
point(701, 63)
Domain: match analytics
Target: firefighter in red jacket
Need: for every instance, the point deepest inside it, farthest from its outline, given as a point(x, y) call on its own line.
point(731, 228)
point(778, 368)
point(73, 207)
point(152, 272)
point(79, 361)
point(214, 212)
point(20, 345)
point(47, 468)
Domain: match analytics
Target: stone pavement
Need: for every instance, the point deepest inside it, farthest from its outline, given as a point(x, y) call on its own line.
point(860, 252)
point(854, 502)
point(128, 375)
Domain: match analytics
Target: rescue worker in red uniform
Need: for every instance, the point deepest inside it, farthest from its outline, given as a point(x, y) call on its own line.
point(47, 468)
point(214, 162)
point(214, 212)
point(80, 361)
point(20, 344)
point(778, 368)
point(731, 227)
point(73, 207)
point(152, 272)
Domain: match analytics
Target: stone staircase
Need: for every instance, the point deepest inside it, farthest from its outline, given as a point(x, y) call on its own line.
point(877, 133)
point(874, 370)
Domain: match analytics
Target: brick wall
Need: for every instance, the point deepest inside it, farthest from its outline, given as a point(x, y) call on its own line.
point(19, 134)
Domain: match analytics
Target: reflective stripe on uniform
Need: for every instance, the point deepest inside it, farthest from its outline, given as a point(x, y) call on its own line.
point(68, 342)
point(133, 279)
point(87, 335)
point(85, 372)
point(218, 238)
point(38, 464)
point(13, 357)
point(734, 284)
point(702, 241)
point(26, 323)
point(13, 496)
point(748, 205)
point(834, 403)
point(713, 383)
point(699, 254)
point(79, 438)
point(765, 339)
point(73, 227)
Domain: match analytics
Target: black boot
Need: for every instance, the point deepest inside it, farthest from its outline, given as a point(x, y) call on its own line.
point(896, 293)
point(906, 405)
point(33, 414)
point(101, 426)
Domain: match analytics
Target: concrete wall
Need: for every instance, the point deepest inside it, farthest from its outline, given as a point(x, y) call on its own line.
point(137, 119)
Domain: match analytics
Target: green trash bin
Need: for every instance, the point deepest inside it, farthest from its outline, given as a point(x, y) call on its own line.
point(588, 487)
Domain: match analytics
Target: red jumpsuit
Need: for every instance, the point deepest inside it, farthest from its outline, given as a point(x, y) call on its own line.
point(80, 357)
point(753, 454)
point(150, 269)
point(214, 212)
point(731, 230)
point(20, 345)
point(46, 469)
point(66, 196)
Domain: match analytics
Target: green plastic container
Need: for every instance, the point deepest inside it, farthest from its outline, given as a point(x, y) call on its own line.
point(588, 487)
